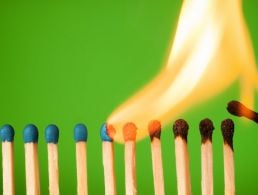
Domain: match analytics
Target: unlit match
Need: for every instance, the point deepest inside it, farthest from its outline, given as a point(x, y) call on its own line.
point(227, 128)
point(30, 138)
point(108, 158)
point(206, 129)
point(7, 136)
point(180, 129)
point(129, 132)
point(52, 135)
point(80, 137)
point(154, 128)
point(238, 109)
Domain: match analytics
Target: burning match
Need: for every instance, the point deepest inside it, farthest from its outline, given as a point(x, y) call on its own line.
point(108, 159)
point(180, 129)
point(129, 131)
point(154, 128)
point(227, 128)
point(206, 129)
point(238, 109)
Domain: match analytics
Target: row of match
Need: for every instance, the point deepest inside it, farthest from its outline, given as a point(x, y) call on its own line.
point(180, 129)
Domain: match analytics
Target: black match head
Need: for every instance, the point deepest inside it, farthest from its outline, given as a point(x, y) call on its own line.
point(238, 109)
point(180, 128)
point(227, 129)
point(235, 107)
point(206, 128)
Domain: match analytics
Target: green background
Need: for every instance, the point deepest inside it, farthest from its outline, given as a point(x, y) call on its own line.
point(66, 62)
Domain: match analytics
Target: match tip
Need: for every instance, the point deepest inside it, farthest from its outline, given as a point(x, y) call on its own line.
point(30, 134)
point(180, 128)
point(154, 128)
point(227, 128)
point(80, 133)
point(129, 131)
point(52, 134)
point(206, 128)
point(7, 133)
point(234, 107)
point(106, 132)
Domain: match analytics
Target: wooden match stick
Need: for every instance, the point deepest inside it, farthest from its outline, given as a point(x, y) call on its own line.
point(129, 132)
point(52, 135)
point(80, 137)
point(227, 127)
point(206, 129)
point(7, 136)
point(238, 109)
point(180, 129)
point(154, 128)
point(108, 158)
point(30, 138)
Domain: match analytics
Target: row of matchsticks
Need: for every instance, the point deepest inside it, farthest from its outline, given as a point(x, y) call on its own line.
point(180, 129)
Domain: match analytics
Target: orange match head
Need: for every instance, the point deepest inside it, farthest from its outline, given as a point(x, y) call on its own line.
point(154, 128)
point(129, 131)
point(111, 131)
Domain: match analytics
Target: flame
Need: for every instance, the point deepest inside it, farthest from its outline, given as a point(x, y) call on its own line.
point(211, 50)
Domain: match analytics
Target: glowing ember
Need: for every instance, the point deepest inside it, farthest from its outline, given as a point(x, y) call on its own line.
point(211, 50)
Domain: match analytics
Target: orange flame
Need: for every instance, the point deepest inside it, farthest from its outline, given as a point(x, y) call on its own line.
point(211, 50)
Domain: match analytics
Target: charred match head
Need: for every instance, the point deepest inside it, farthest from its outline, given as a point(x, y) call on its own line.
point(154, 128)
point(206, 129)
point(238, 109)
point(227, 128)
point(107, 132)
point(129, 132)
point(180, 128)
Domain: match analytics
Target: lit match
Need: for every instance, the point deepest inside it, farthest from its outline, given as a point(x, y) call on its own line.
point(154, 128)
point(108, 158)
point(7, 137)
point(238, 109)
point(206, 130)
point(180, 129)
point(227, 128)
point(129, 132)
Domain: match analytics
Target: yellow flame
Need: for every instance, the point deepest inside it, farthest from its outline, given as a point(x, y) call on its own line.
point(211, 50)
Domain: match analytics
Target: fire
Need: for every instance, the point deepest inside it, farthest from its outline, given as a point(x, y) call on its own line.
point(211, 50)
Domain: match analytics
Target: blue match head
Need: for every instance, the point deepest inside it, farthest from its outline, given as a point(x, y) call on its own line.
point(30, 134)
point(7, 133)
point(52, 134)
point(80, 133)
point(104, 135)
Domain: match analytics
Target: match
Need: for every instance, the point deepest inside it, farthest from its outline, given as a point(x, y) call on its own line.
point(129, 132)
point(7, 137)
point(30, 138)
point(227, 128)
point(154, 128)
point(180, 129)
point(108, 158)
point(206, 129)
point(238, 109)
point(52, 135)
point(80, 137)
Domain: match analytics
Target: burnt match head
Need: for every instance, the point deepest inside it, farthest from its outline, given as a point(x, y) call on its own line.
point(129, 132)
point(154, 128)
point(227, 128)
point(238, 109)
point(206, 129)
point(180, 128)
point(235, 107)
